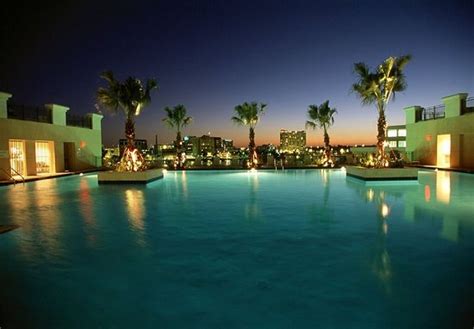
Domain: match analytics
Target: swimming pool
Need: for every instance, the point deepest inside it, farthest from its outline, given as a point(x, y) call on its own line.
point(232, 249)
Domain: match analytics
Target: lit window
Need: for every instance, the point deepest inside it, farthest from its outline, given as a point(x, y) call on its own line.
point(402, 132)
point(392, 133)
point(402, 144)
point(392, 143)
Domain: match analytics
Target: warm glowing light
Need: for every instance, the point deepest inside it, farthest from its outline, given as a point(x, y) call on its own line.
point(427, 193)
point(443, 157)
point(443, 186)
point(165, 171)
point(370, 195)
point(253, 171)
point(384, 210)
point(81, 174)
point(343, 169)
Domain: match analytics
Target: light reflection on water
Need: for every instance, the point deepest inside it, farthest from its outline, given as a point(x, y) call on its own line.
point(279, 239)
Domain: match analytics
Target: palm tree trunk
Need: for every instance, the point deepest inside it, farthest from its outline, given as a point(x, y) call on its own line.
point(252, 155)
point(130, 132)
point(178, 149)
point(381, 126)
point(326, 144)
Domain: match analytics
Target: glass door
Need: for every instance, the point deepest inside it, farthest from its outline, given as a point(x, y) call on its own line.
point(43, 157)
point(17, 157)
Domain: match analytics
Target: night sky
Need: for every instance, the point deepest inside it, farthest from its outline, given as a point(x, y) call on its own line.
point(213, 55)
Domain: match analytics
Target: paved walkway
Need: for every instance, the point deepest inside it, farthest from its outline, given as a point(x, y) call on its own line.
point(464, 170)
point(43, 176)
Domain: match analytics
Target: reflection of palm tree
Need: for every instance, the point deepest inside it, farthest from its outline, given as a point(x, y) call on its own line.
point(252, 210)
point(248, 114)
point(381, 264)
point(379, 87)
point(136, 209)
point(324, 212)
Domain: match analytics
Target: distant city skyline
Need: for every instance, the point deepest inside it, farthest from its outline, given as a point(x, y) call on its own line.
point(213, 55)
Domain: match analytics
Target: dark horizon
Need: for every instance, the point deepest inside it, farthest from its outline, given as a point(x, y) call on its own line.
point(211, 56)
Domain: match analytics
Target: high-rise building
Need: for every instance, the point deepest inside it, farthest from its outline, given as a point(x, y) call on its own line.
point(140, 144)
point(205, 145)
point(291, 140)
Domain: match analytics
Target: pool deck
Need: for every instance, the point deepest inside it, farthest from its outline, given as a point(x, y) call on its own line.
point(44, 176)
point(431, 167)
point(8, 228)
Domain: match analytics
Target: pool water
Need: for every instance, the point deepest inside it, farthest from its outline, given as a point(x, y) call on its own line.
point(292, 249)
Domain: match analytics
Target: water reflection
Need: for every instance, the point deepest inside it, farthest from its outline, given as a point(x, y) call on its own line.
point(252, 209)
point(41, 220)
point(381, 262)
point(87, 212)
point(321, 210)
point(443, 197)
point(443, 186)
point(135, 204)
point(184, 184)
point(442, 202)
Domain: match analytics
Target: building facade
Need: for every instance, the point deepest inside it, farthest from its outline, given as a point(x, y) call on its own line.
point(46, 140)
point(205, 145)
point(443, 135)
point(140, 144)
point(397, 137)
point(291, 141)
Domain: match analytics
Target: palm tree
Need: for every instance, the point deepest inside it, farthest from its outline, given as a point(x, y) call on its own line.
point(379, 87)
point(322, 116)
point(248, 114)
point(130, 96)
point(176, 118)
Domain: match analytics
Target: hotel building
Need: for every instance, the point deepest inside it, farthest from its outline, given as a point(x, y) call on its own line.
point(442, 135)
point(46, 140)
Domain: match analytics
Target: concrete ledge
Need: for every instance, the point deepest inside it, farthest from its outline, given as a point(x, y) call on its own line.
point(384, 174)
point(8, 228)
point(141, 177)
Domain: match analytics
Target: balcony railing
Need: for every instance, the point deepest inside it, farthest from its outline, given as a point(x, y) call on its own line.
point(78, 121)
point(432, 112)
point(29, 113)
point(469, 106)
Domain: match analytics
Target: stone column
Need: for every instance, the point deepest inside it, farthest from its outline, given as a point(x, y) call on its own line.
point(96, 120)
point(58, 113)
point(412, 114)
point(453, 105)
point(3, 104)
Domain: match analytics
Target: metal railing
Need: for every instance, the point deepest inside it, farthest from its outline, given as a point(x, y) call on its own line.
point(18, 174)
point(432, 112)
point(29, 113)
point(11, 176)
point(469, 105)
point(78, 121)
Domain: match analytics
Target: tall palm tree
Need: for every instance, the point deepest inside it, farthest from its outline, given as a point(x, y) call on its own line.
point(129, 96)
point(322, 116)
point(248, 114)
point(379, 87)
point(176, 118)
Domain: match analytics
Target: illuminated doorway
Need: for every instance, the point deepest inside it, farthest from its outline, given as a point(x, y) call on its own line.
point(17, 157)
point(44, 157)
point(443, 151)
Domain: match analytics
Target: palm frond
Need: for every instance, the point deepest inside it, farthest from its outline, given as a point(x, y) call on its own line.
point(310, 124)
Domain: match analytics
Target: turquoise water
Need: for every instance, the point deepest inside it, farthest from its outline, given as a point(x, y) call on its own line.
point(293, 249)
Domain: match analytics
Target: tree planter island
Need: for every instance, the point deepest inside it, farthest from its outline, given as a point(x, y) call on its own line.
point(382, 174)
point(127, 177)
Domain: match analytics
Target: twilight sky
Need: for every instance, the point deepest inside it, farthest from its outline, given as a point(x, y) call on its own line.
point(213, 55)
